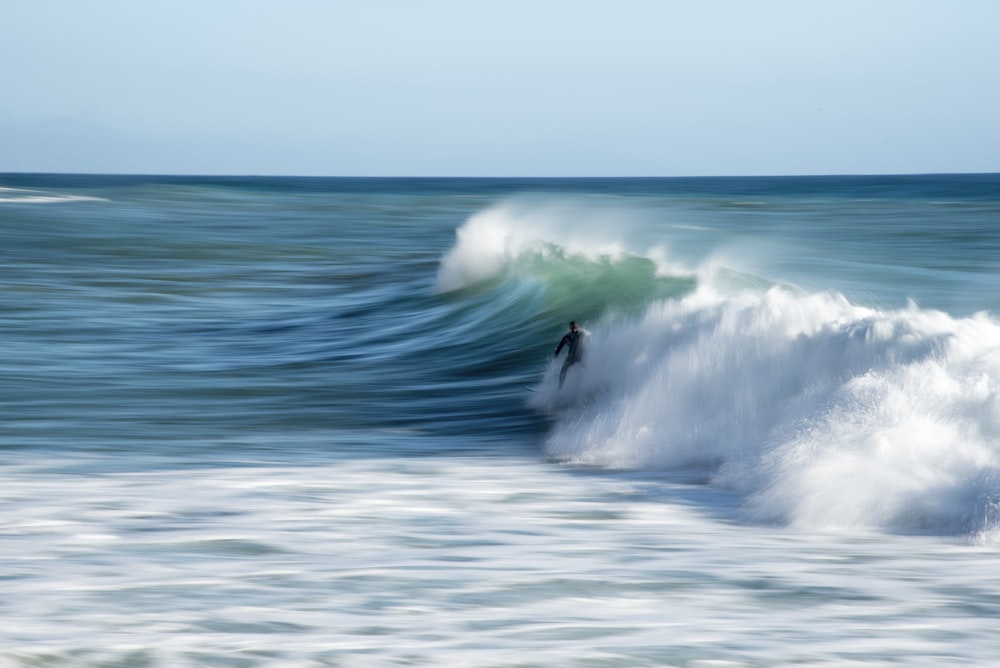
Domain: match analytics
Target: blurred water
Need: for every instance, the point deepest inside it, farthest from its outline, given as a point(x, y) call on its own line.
point(462, 561)
point(256, 422)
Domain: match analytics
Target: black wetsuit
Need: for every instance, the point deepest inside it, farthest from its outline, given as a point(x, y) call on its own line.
point(574, 352)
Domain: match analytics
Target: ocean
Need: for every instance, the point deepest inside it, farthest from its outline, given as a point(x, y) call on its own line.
point(303, 422)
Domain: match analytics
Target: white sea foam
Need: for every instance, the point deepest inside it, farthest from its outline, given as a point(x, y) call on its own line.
point(456, 562)
point(821, 412)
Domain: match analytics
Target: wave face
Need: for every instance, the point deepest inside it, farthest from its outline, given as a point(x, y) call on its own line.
point(823, 413)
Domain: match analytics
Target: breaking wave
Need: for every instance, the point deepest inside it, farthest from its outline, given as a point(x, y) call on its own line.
point(822, 413)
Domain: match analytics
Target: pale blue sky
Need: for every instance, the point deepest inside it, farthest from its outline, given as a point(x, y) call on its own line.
point(498, 88)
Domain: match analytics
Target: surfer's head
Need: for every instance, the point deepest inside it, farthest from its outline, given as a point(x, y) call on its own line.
point(573, 326)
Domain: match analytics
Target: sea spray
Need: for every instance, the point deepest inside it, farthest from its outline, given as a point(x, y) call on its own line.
point(821, 412)
point(912, 444)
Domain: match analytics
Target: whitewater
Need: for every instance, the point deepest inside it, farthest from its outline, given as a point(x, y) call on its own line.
point(317, 422)
point(823, 413)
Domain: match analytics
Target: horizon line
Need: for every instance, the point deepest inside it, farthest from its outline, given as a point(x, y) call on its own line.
point(477, 176)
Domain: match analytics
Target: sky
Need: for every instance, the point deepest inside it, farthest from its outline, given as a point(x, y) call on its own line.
point(500, 87)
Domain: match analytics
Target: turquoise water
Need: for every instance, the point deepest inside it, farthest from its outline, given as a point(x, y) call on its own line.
point(280, 421)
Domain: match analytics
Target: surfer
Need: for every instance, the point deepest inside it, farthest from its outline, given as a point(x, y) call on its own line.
point(574, 349)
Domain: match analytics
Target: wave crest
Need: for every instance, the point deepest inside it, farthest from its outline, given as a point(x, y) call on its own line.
point(516, 231)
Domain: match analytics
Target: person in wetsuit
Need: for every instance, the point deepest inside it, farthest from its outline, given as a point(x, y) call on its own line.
point(574, 349)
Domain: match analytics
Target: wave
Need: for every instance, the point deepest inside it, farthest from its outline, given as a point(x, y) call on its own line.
point(821, 413)
point(24, 196)
point(528, 235)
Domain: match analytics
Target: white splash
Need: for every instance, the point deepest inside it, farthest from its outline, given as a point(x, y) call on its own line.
point(821, 412)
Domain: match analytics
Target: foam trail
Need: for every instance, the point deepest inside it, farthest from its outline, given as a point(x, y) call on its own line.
point(24, 196)
point(823, 413)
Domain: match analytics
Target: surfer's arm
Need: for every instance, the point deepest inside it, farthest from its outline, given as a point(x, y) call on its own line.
point(562, 343)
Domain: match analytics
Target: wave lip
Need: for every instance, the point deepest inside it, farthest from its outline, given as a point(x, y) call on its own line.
point(520, 230)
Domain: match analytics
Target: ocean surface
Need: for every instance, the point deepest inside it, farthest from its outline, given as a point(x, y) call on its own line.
point(307, 422)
